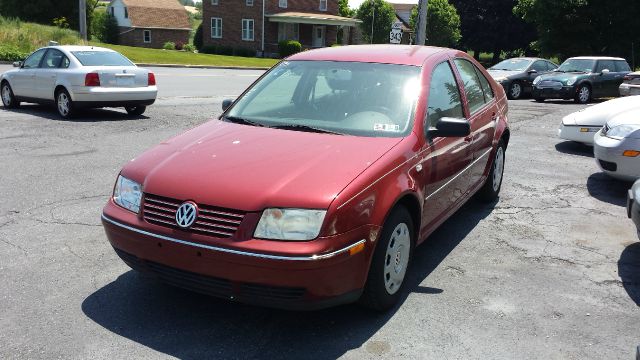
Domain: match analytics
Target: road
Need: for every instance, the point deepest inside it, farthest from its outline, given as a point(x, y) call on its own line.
point(550, 271)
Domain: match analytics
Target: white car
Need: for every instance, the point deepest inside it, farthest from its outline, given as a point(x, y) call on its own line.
point(581, 125)
point(75, 77)
point(617, 146)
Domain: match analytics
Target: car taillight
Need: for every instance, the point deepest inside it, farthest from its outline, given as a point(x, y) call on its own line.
point(627, 77)
point(92, 79)
point(630, 77)
point(151, 79)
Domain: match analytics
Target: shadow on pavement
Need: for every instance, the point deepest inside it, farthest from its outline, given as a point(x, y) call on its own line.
point(608, 189)
point(574, 148)
point(189, 325)
point(629, 271)
point(84, 115)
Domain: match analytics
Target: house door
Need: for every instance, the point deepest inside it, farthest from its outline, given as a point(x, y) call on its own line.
point(318, 36)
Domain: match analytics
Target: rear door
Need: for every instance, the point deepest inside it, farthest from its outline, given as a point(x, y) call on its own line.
point(482, 114)
point(23, 82)
point(54, 64)
point(606, 81)
point(445, 158)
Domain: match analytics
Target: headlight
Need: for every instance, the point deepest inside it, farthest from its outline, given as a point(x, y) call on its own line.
point(537, 80)
point(621, 131)
point(290, 224)
point(571, 81)
point(127, 194)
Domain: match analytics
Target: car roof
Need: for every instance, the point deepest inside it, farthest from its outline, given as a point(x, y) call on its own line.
point(385, 54)
point(596, 58)
point(78, 48)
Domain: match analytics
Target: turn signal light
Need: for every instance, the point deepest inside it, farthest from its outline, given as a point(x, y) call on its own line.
point(151, 79)
point(92, 79)
point(631, 153)
point(356, 249)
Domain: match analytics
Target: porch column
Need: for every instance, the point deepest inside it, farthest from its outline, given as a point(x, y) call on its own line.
point(345, 35)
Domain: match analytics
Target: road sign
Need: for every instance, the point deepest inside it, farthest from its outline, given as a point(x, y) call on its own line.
point(395, 36)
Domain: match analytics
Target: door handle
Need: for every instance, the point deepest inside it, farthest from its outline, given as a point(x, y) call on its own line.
point(494, 117)
point(468, 138)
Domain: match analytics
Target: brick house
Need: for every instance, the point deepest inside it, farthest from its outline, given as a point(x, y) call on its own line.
point(260, 24)
point(150, 23)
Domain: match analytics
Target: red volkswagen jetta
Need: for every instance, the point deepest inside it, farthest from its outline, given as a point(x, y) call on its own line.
point(314, 187)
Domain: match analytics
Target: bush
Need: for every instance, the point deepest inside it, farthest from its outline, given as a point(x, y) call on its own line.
point(225, 50)
point(209, 49)
point(179, 45)
point(289, 47)
point(244, 52)
point(169, 45)
point(189, 48)
point(104, 28)
point(197, 38)
point(11, 53)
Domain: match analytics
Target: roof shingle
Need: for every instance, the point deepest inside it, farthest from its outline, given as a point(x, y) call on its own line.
point(157, 14)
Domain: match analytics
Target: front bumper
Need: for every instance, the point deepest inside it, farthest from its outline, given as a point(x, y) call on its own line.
point(238, 271)
point(565, 92)
point(582, 134)
point(629, 90)
point(608, 155)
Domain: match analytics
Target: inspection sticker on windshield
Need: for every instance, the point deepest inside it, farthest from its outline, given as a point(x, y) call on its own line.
point(386, 127)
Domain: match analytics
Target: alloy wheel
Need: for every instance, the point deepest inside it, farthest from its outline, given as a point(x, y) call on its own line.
point(63, 104)
point(584, 94)
point(6, 95)
point(396, 259)
point(516, 90)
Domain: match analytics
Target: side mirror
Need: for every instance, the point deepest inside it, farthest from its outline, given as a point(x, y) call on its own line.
point(605, 72)
point(450, 127)
point(226, 103)
point(17, 64)
point(533, 71)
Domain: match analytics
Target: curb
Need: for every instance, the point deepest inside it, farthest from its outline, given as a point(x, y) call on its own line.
point(203, 66)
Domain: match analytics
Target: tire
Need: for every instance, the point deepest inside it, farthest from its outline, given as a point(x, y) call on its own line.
point(135, 110)
point(583, 94)
point(390, 262)
point(539, 99)
point(64, 104)
point(515, 91)
point(9, 100)
point(491, 188)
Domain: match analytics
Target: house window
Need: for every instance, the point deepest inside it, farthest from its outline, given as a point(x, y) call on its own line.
point(146, 35)
point(282, 3)
point(126, 13)
point(323, 5)
point(288, 31)
point(214, 2)
point(247, 29)
point(216, 28)
point(249, 2)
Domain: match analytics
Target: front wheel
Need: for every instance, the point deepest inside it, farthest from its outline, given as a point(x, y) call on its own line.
point(64, 104)
point(391, 259)
point(135, 110)
point(583, 95)
point(8, 98)
point(491, 188)
point(515, 91)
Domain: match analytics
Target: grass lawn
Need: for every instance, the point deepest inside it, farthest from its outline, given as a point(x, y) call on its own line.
point(157, 56)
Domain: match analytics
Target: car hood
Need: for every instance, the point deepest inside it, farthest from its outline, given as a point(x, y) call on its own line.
point(598, 115)
point(629, 117)
point(249, 168)
point(562, 76)
point(496, 74)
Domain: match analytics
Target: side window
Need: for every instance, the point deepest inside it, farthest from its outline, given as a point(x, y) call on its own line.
point(33, 61)
point(621, 66)
point(53, 59)
point(551, 66)
point(486, 87)
point(472, 87)
point(444, 96)
point(605, 64)
point(539, 66)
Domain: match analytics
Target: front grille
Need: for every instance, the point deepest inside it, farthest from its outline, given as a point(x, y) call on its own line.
point(544, 84)
point(211, 285)
point(609, 166)
point(211, 221)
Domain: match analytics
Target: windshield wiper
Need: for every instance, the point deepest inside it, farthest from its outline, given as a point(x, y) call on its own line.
point(305, 128)
point(241, 120)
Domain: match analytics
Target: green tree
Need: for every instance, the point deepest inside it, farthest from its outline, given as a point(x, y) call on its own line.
point(344, 9)
point(583, 27)
point(381, 23)
point(443, 23)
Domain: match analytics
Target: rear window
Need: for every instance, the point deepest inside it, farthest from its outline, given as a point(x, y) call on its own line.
point(101, 58)
point(622, 66)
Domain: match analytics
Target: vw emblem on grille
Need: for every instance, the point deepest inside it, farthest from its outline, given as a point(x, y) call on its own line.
point(186, 214)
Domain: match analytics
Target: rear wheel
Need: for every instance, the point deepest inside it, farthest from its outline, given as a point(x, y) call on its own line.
point(8, 99)
point(390, 261)
point(491, 188)
point(583, 95)
point(515, 91)
point(135, 110)
point(64, 104)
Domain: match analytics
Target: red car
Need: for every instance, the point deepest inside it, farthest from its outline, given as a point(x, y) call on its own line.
point(313, 188)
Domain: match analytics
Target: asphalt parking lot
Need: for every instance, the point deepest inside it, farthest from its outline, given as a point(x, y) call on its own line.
point(552, 270)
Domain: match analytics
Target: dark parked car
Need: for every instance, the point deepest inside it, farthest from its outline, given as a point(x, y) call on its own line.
point(314, 187)
point(516, 75)
point(582, 79)
point(633, 204)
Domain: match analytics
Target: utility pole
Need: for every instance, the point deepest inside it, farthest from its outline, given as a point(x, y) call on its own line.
point(373, 21)
point(421, 26)
point(83, 19)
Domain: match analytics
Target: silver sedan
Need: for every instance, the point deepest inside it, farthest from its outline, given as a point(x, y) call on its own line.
point(73, 77)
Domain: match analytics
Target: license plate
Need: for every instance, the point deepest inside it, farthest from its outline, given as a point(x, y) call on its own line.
point(125, 81)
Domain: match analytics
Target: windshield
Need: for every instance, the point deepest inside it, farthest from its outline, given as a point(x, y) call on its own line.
point(362, 99)
point(512, 65)
point(577, 65)
point(101, 58)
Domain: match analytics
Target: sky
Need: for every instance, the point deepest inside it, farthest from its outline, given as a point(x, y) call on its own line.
point(354, 4)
